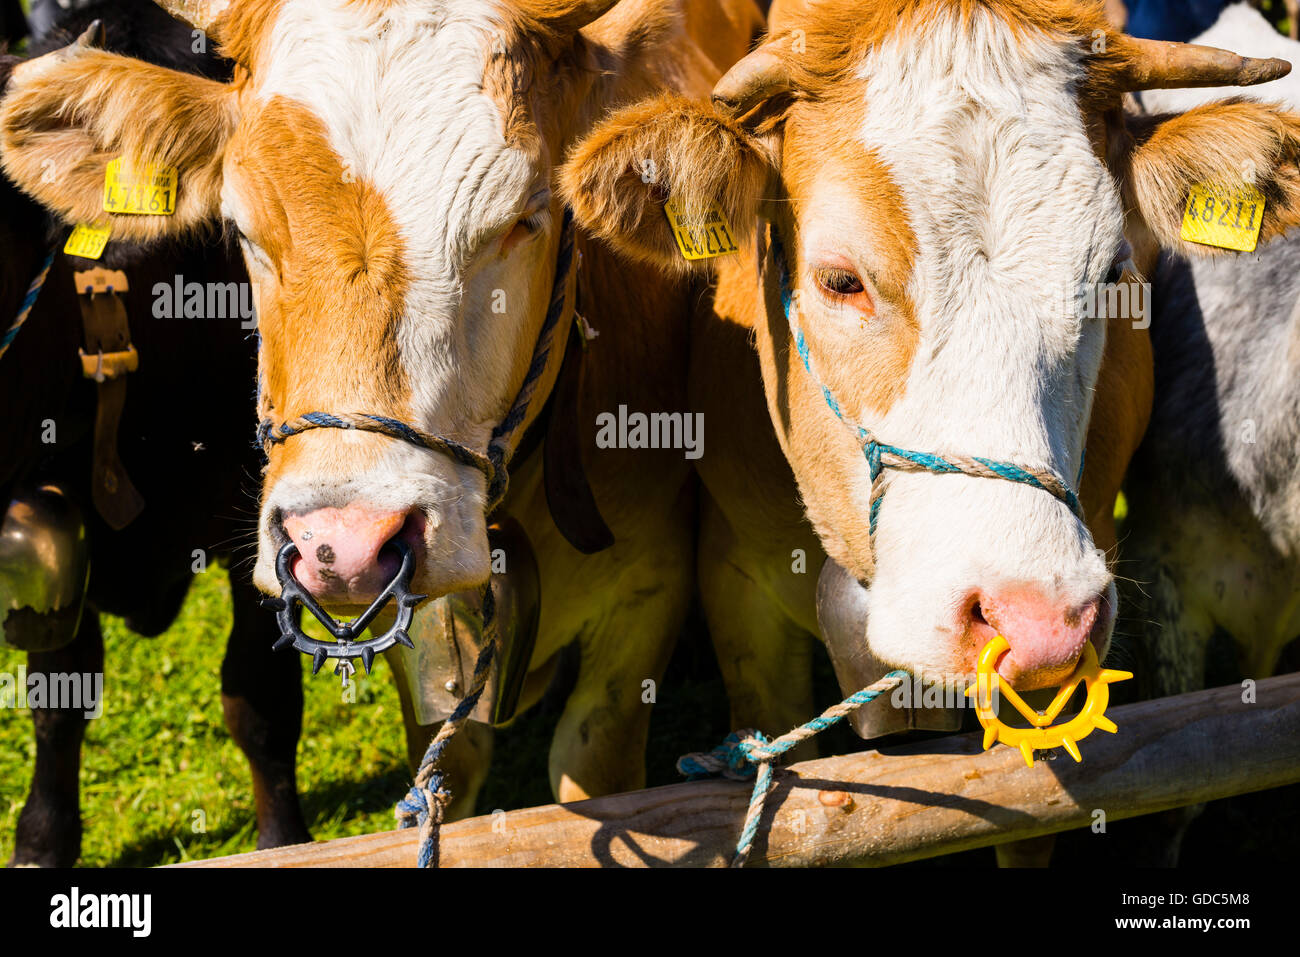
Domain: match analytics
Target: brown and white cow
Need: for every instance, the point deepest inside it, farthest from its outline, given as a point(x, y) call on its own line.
point(945, 179)
point(388, 167)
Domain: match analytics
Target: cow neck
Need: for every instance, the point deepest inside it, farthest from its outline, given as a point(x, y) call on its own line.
point(881, 456)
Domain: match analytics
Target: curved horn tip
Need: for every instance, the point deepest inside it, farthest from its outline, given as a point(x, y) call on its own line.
point(727, 104)
point(1263, 71)
point(760, 75)
point(94, 36)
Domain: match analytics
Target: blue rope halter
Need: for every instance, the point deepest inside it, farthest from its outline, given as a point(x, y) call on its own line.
point(881, 456)
point(29, 301)
point(491, 463)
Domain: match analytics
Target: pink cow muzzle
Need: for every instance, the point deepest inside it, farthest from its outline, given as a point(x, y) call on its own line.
point(342, 559)
point(1047, 635)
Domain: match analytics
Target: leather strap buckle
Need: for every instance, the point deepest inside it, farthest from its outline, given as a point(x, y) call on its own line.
point(108, 365)
point(99, 280)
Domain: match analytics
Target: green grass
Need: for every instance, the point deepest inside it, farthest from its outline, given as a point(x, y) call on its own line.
point(161, 752)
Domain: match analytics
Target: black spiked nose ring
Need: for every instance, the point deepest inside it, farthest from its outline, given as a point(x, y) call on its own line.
point(345, 646)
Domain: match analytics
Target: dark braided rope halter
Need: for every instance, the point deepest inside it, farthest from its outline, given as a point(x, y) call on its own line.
point(493, 463)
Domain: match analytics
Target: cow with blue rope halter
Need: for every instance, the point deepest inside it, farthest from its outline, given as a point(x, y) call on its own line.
point(931, 203)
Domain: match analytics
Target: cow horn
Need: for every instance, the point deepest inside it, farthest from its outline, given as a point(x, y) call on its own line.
point(94, 36)
point(565, 16)
point(1159, 65)
point(760, 75)
point(200, 13)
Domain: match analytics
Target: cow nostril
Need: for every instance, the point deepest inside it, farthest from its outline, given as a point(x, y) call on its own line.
point(413, 529)
point(325, 554)
point(411, 535)
point(977, 614)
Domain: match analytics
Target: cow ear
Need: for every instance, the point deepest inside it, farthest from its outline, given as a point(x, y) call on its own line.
point(619, 179)
point(1232, 143)
point(66, 115)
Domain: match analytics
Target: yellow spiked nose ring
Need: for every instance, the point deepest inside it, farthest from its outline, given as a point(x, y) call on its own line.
point(1043, 734)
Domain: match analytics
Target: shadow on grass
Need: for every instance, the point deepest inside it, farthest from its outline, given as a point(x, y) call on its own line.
point(324, 807)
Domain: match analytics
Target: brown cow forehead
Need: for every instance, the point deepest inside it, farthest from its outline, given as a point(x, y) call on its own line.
point(827, 41)
point(377, 46)
point(410, 109)
point(247, 29)
point(982, 128)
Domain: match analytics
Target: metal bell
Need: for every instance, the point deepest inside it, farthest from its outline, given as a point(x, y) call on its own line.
point(44, 568)
point(842, 616)
point(448, 636)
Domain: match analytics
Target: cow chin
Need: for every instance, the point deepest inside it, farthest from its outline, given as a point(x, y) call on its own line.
point(346, 532)
point(958, 565)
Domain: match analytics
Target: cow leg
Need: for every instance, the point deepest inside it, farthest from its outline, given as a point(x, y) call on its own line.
point(465, 762)
point(1031, 852)
point(261, 697)
point(600, 741)
point(49, 827)
point(765, 658)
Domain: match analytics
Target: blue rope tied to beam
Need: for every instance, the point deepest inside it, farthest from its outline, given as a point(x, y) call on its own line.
point(29, 301)
point(881, 456)
point(748, 754)
point(426, 803)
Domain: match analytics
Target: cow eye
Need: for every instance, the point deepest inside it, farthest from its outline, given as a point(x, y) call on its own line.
point(1123, 260)
point(525, 228)
point(839, 283)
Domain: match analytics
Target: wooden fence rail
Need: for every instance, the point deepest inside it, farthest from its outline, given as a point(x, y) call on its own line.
point(885, 806)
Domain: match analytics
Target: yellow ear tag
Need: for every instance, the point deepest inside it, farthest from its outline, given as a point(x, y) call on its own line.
point(1227, 217)
point(703, 237)
point(88, 242)
point(1043, 735)
point(149, 190)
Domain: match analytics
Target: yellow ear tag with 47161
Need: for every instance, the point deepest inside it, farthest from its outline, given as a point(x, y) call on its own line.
point(144, 190)
point(700, 237)
point(1043, 734)
point(1227, 217)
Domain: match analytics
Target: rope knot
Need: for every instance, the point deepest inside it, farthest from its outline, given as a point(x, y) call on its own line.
point(748, 754)
point(732, 759)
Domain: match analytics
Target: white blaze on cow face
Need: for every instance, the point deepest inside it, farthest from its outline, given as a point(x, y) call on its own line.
point(975, 139)
point(450, 206)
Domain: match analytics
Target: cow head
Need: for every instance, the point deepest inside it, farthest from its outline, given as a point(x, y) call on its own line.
point(943, 180)
point(387, 168)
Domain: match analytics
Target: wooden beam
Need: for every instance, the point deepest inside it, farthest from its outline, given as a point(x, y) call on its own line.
point(885, 806)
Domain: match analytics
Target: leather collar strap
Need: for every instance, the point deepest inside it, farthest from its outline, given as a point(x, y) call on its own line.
point(107, 357)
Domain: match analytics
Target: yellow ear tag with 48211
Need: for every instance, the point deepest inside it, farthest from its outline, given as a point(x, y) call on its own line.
point(1227, 217)
point(1043, 734)
point(148, 189)
point(706, 236)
